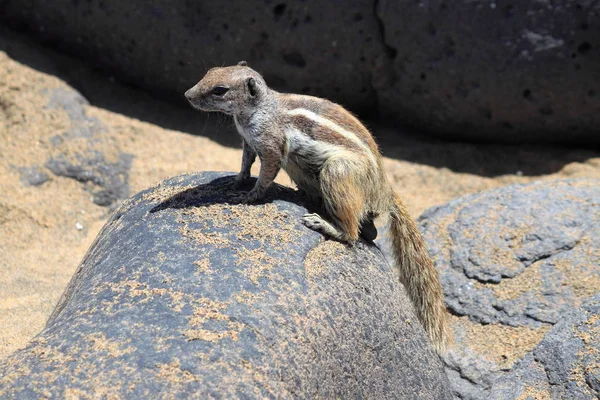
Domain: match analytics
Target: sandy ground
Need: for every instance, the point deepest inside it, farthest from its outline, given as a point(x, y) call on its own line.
point(40, 243)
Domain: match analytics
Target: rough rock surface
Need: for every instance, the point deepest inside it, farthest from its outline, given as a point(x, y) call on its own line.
point(521, 255)
point(494, 71)
point(84, 153)
point(183, 294)
point(513, 262)
point(565, 365)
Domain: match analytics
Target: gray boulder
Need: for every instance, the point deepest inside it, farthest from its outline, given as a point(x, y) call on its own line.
point(184, 295)
point(514, 261)
point(493, 71)
point(565, 365)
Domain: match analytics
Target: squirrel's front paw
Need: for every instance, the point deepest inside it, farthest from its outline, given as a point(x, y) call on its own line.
point(247, 197)
point(240, 180)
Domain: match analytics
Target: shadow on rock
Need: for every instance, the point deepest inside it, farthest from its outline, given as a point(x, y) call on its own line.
point(213, 193)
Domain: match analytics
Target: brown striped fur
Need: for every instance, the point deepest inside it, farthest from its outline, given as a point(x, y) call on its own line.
point(333, 112)
point(333, 158)
point(321, 133)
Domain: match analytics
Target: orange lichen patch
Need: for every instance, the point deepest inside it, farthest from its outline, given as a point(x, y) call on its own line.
point(258, 377)
point(532, 393)
point(126, 205)
point(161, 192)
point(584, 279)
point(172, 372)
point(255, 223)
point(162, 343)
point(263, 223)
point(510, 289)
point(204, 216)
point(76, 394)
point(215, 239)
point(231, 375)
point(444, 235)
point(261, 264)
point(258, 223)
point(501, 344)
point(203, 266)
point(493, 255)
point(577, 374)
point(329, 250)
point(96, 376)
point(11, 374)
point(143, 294)
point(590, 335)
point(207, 310)
point(593, 320)
point(112, 348)
point(584, 286)
point(98, 391)
point(244, 296)
point(52, 354)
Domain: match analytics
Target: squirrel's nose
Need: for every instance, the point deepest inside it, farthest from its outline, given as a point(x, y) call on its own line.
point(192, 93)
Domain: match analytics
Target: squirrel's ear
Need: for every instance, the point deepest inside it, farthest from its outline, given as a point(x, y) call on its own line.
point(251, 83)
point(243, 64)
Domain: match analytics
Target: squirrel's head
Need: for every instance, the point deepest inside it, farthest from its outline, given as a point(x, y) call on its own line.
point(231, 90)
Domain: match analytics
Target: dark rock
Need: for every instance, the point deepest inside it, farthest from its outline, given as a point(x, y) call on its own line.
point(542, 232)
point(565, 365)
point(33, 176)
point(502, 72)
point(183, 295)
point(495, 71)
point(295, 45)
point(93, 167)
point(106, 179)
point(515, 259)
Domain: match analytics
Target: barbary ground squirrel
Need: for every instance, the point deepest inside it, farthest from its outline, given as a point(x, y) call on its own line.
point(333, 159)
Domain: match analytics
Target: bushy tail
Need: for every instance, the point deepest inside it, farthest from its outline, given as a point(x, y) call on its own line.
point(419, 275)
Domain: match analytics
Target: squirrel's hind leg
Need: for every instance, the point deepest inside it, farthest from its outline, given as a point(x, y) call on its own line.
point(342, 201)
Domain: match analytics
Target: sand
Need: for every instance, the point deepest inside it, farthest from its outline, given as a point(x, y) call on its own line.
point(45, 230)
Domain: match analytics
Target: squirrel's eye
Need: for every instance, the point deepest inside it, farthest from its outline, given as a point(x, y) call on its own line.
point(219, 90)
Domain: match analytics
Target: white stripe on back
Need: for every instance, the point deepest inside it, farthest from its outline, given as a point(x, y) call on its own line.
point(334, 127)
